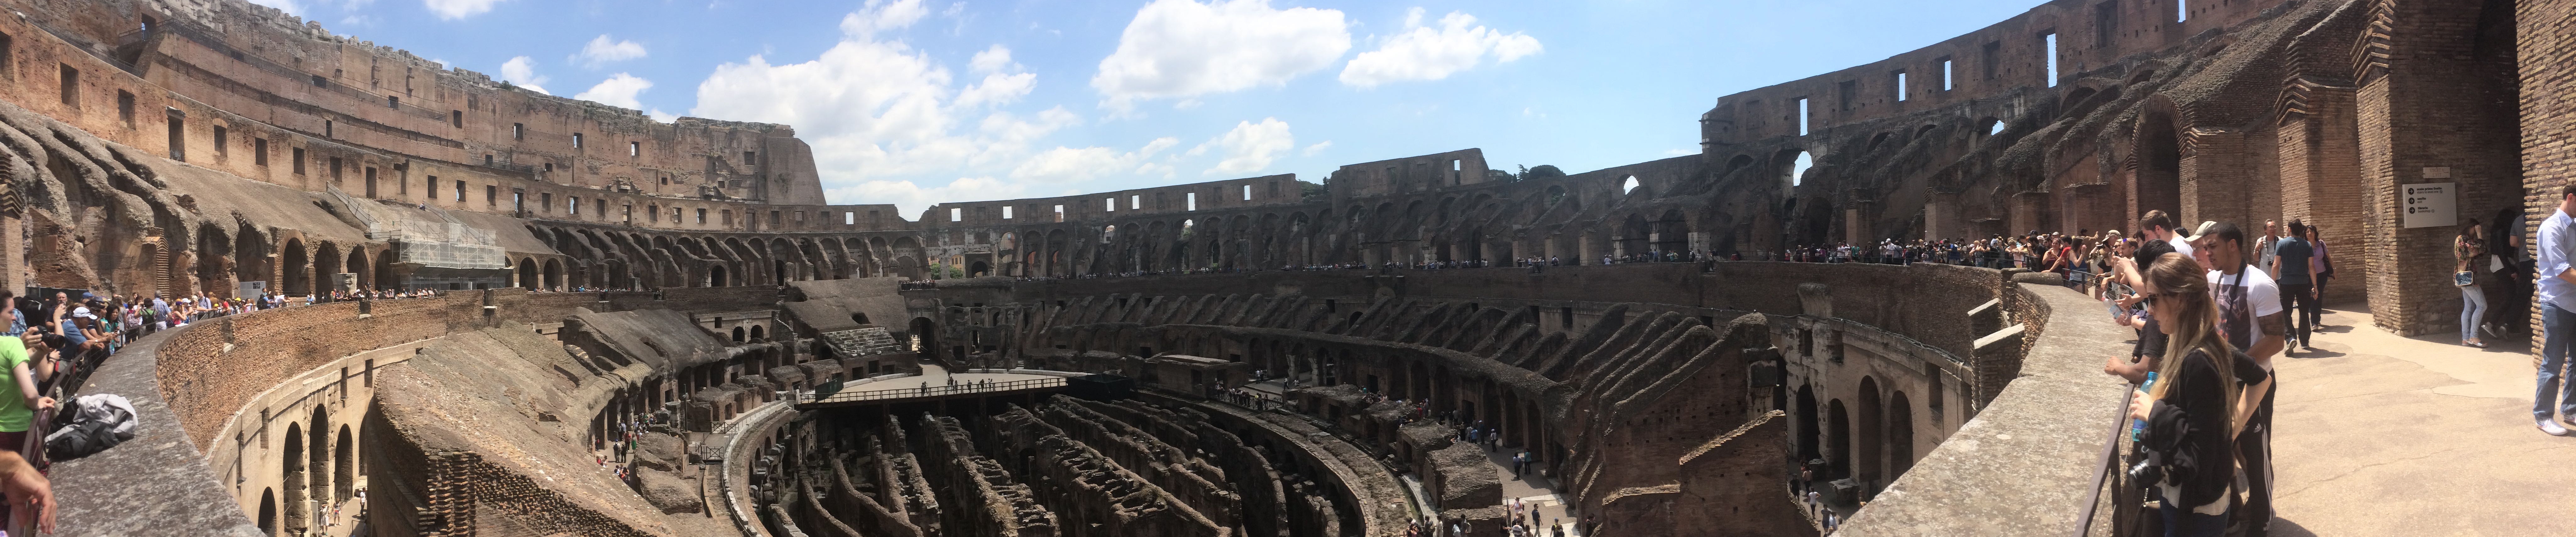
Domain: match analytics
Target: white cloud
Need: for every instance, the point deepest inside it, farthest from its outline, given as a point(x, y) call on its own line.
point(658, 115)
point(995, 59)
point(1319, 147)
point(458, 9)
point(1426, 53)
point(998, 88)
point(1182, 48)
point(1250, 146)
point(523, 72)
point(618, 90)
point(1002, 83)
point(880, 15)
point(601, 50)
point(882, 116)
point(1065, 164)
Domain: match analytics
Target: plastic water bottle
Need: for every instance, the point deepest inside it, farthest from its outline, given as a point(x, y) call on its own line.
point(2138, 428)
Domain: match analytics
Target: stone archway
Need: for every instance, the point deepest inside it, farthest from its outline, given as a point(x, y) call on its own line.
point(1900, 435)
point(1867, 435)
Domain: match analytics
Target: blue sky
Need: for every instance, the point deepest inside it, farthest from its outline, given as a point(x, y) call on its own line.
point(914, 102)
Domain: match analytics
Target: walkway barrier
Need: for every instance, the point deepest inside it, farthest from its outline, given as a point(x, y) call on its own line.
point(930, 391)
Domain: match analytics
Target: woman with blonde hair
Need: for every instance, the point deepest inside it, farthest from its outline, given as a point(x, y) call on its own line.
point(2190, 408)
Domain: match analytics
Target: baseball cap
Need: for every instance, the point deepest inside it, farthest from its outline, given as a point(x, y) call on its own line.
point(82, 312)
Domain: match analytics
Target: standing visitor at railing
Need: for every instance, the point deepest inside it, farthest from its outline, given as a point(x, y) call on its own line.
point(2557, 302)
point(2250, 316)
point(2191, 409)
point(2149, 352)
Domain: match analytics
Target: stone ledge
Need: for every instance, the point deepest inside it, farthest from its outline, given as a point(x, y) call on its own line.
point(155, 484)
point(2025, 464)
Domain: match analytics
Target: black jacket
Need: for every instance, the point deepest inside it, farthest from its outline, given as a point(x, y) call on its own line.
point(2187, 430)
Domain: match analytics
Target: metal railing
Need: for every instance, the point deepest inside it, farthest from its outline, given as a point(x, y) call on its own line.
point(2102, 469)
point(937, 390)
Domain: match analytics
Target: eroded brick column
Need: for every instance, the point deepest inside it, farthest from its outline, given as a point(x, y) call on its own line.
point(2439, 105)
point(2321, 179)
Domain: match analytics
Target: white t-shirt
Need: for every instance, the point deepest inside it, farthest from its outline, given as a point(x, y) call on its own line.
point(2237, 295)
point(2180, 245)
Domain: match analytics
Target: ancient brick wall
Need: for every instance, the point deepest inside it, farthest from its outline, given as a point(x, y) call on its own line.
point(210, 369)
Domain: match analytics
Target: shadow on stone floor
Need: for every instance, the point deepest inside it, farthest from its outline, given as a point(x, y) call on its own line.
point(2314, 354)
point(2282, 527)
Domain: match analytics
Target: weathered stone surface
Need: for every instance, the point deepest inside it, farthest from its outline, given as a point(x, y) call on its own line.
point(670, 493)
point(1466, 481)
point(659, 452)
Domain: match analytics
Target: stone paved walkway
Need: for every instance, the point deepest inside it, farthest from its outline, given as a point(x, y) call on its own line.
point(1535, 491)
point(2377, 434)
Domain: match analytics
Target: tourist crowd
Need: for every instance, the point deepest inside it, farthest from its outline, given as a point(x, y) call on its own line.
point(2211, 308)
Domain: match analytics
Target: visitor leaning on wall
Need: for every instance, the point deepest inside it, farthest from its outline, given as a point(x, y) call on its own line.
point(2190, 406)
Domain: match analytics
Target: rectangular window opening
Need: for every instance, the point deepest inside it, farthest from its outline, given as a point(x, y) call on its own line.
point(1059, 213)
point(702, 216)
point(492, 195)
point(2052, 58)
point(327, 128)
point(1190, 201)
point(1900, 86)
point(851, 218)
point(393, 101)
point(1111, 204)
point(572, 204)
point(259, 151)
point(177, 123)
point(71, 86)
point(956, 214)
point(299, 161)
point(221, 139)
point(1947, 81)
point(1993, 58)
point(576, 140)
point(2182, 10)
point(518, 131)
point(460, 192)
point(1802, 116)
point(432, 184)
point(371, 180)
point(1006, 212)
point(1247, 192)
point(456, 118)
point(2106, 23)
point(1135, 201)
point(125, 107)
point(8, 65)
point(634, 148)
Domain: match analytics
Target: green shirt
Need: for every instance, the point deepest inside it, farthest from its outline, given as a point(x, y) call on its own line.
point(14, 414)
